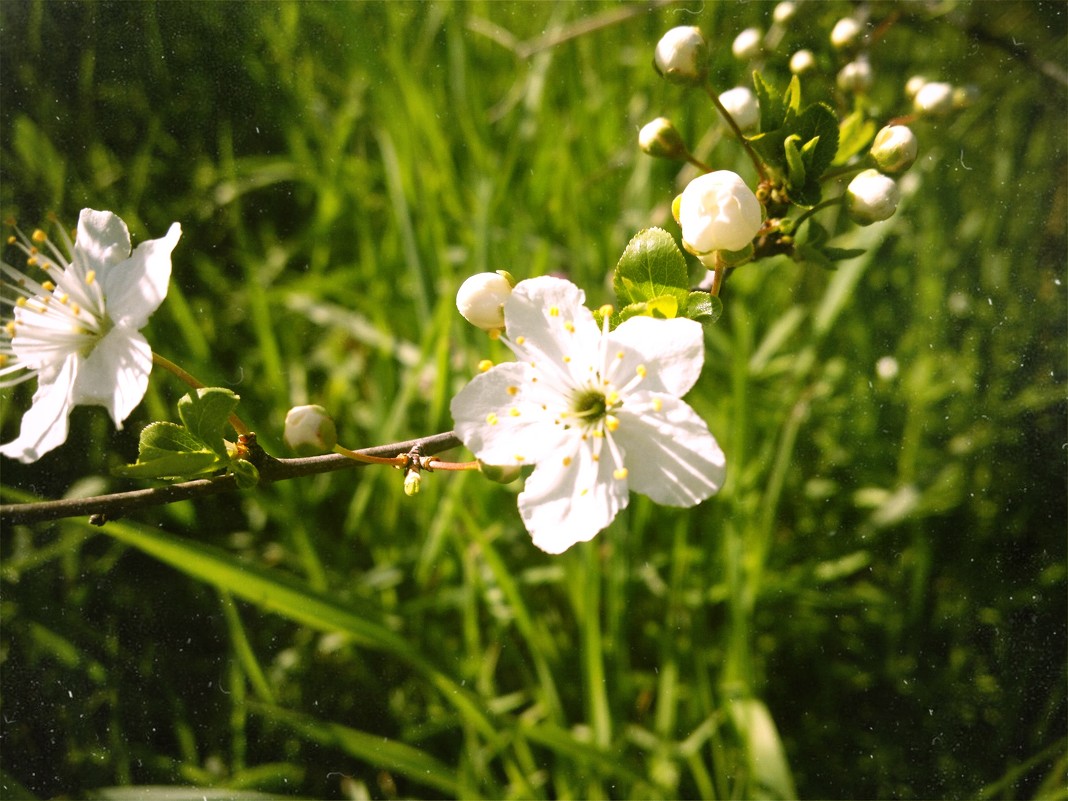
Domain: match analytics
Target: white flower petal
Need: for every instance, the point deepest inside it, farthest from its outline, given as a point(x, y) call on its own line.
point(115, 374)
point(545, 317)
point(672, 351)
point(561, 505)
point(670, 454)
point(103, 240)
point(136, 287)
point(486, 424)
point(45, 424)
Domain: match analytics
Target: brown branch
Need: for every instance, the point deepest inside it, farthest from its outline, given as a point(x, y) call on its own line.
point(105, 507)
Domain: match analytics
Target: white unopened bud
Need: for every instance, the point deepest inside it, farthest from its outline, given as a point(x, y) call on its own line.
point(743, 106)
point(802, 61)
point(660, 138)
point(746, 45)
point(481, 299)
point(913, 86)
point(309, 430)
point(682, 55)
point(895, 149)
point(718, 211)
point(784, 12)
point(871, 197)
point(934, 99)
point(845, 33)
point(856, 76)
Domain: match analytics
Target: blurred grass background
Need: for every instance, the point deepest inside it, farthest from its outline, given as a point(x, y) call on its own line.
point(873, 607)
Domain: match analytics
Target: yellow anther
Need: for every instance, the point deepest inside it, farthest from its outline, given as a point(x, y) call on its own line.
point(513, 390)
point(39, 236)
point(657, 404)
point(567, 360)
point(619, 473)
point(90, 277)
point(3, 359)
point(612, 398)
point(31, 261)
point(611, 422)
point(9, 328)
point(491, 418)
point(75, 309)
point(619, 354)
point(606, 310)
point(596, 458)
point(641, 371)
point(567, 461)
point(598, 433)
point(569, 327)
point(513, 412)
point(48, 286)
point(554, 311)
point(494, 333)
point(11, 240)
point(520, 340)
point(21, 302)
point(484, 365)
point(520, 457)
point(64, 298)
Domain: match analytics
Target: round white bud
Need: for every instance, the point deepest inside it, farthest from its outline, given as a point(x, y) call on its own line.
point(481, 300)
point(660, 138)
point(845, 33)
point(718, 211)
point(934, 99)
point(309, 430)
point(741, 103)
point(784, 12)
point(746, 45)
point(871, 197)
point(681, 55)
point(895, 149)
point(913, 85)
point(856, 76)
point(802, 61)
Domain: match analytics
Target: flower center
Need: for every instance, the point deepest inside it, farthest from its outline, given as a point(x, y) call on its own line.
point(590, 405)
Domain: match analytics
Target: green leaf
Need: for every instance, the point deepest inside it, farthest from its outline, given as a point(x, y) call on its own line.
point(855, 133)
point(771, 106)
point(162, 439)
point(792, 101)
point(245, 472)
point(171, 465)
point(818, 122)
point(651, 267)
point(841, 254)
point(204, 413)
point(813, 255)
point(795, 166)
point(703, 307)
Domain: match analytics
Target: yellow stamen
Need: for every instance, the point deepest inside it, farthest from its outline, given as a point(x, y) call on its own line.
point(491, 418)
point(520, 340)
point(514, 412)
point(620, 473)
point(484, 365)
point(9, 328)
point(554, 311)
point(39, 236)
point(640, 370)
point(520, 457)
point(513, 390)
point(657, 404)
point(31, 261)
point(48, 286)
point(75, 309)
point(21, 302)
point(606, 310)
point(567, 461)
point(90, 277)
point(569, 327)
point(494, 333)
point(567, 360)
point(611, 422)
point(612, 398)
point(11, 240)
point(619, 354)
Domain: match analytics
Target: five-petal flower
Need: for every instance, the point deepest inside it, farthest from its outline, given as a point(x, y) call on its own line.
point(597, 412)
point(78, 331)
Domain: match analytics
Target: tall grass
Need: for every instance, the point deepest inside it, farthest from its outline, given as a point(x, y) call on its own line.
point(873, 607)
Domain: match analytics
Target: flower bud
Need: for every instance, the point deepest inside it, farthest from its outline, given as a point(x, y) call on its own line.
point(481, 299)
point(913, 85)
point(871, 197)
point(802, 61)
point(855, 76)
point(784, 12)
point(502, 474)
point(309, 430)
point(412, 482)
point(746, 45)
point(718, 211)
point(743, 106)
point(934, 99)
point(895, 149)
point(682, 55)
point(660, 138)
point(845, 33)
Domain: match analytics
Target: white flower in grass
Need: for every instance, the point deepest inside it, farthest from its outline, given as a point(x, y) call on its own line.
point(597, 412)
point(77, 331)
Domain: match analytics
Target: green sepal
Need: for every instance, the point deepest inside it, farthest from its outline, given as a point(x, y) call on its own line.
point(245, 473)
point(204, 413)
point(651, 267)
point(703, 307)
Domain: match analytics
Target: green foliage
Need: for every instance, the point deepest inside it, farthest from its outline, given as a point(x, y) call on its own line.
point(890, 541)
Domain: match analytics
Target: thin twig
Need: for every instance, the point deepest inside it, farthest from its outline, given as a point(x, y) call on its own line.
point(104, 507)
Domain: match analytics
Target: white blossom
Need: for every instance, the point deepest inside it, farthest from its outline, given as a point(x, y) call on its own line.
point(742, 104)
point(596, 412)
point(717, 211)
point(78, 330)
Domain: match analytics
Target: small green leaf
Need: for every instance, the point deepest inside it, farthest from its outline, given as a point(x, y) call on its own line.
point(818, 122)
point(771, 105)
point(703, 307)
point(204, 413)
point(792, 101)
point(855, 133)
point(652, 266)
point(161, 439)
point(795, 165)
point(171, 465)
point(841, 254)
point(245, 472)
